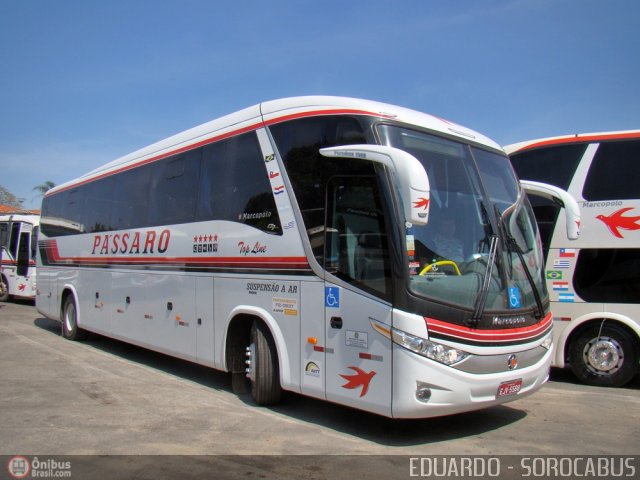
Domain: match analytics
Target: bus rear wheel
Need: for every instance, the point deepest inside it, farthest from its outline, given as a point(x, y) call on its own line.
point(606, 357)
point(262, 366)
point(70, 329)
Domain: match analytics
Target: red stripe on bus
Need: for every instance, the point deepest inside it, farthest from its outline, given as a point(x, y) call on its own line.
point(54, 256)
point(504, 335)
point(32, 263)
point(578, 139)
point(218, 138)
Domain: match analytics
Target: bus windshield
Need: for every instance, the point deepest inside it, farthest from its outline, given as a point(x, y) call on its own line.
point(479, 249)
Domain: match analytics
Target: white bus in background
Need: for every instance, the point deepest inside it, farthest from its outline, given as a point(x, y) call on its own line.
point(595, 282)
point(343, 249)
point(18, 236)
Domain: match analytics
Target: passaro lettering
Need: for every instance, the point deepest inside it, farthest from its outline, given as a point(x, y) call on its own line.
point(131, 243)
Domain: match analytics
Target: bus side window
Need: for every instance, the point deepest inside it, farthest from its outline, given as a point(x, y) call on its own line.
point(13, 242)
point(23, 254)
point(553, 165)
point(4, 234)
point(356, 243)
point(34, 241)
point(298, 143)
point(98, 200)
point(546, 213)
point(608, 275)
point(173, 187)
point(606, 179)
point(131, 199)
point(234, 185)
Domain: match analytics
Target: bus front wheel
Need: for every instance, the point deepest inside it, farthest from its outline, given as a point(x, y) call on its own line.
point(604, 357)
point(70, 329)
point(4, 289)
point(262, 367)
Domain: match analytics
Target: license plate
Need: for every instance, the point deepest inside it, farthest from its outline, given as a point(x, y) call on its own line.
point(509, 388)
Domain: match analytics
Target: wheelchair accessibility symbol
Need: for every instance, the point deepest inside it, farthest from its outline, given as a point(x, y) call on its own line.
point(332, 297)
point(515, 300)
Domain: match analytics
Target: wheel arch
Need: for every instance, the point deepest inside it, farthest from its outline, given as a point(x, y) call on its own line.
point(578, 325)
point(65, 291)
point(237, 334)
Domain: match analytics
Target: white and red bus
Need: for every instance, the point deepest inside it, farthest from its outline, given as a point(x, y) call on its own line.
point(18, 236)
point(343, 249)
point(594, 282)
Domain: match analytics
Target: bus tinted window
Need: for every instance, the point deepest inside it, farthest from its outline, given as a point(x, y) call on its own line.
point(234, 185)
point(608, 275)
point(553, 165)
point(546, 212)
point(611, 175)
point(356, 240)
point(299, 142)
point(227, 180)
point(131, 198)
point(74, 205)
point(97, 211)
point(4, 233)
point(174, 189)
point(54, 221)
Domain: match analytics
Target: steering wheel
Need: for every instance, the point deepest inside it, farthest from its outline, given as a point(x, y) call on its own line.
point(430, 267)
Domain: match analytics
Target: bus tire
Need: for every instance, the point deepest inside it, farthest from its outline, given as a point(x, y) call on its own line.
point(264, 371)
point(607, 358)
point(4, 289)
point(70, 329)
point(239, 383)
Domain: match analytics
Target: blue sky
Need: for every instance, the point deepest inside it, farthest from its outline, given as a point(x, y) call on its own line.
point(84, 82)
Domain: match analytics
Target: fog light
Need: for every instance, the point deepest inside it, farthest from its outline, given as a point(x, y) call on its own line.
point(423, 393)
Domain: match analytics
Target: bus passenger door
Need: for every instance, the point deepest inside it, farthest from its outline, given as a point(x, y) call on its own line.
point(357, 357)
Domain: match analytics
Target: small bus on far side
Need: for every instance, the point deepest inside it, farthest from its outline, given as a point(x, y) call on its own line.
point(594, 282)
point(18, 237)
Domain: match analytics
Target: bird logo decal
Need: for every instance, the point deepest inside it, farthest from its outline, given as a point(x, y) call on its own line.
point(616, 222)
point(360, 379)
point(421, 203)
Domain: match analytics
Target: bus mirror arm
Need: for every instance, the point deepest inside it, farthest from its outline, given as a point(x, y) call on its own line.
point(564, 198)
point(412, 178)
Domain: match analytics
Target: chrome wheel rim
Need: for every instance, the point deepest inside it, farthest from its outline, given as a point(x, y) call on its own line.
point(603, 355)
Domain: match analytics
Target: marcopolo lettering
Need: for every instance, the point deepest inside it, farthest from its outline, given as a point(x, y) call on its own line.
point(131, 243)
point(254, 216)
point(610, 203)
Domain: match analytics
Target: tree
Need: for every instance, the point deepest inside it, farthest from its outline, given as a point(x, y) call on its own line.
point(9, 199)
point(45, 187)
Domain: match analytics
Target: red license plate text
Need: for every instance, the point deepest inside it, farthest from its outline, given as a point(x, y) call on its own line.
point(509, 388)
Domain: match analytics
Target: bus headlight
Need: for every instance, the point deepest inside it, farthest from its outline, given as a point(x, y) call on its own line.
point(427, 348)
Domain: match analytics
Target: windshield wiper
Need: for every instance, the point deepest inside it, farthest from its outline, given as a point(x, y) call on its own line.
point(536, 294)
point(512, 242)
point(484, 291)
point(490, 234)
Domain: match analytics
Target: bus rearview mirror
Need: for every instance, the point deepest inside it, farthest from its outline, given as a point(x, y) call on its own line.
point(412, 179)
point(564, 198)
